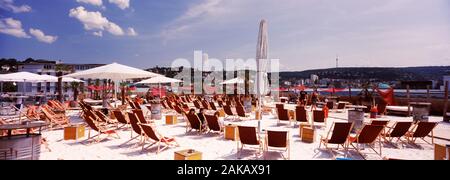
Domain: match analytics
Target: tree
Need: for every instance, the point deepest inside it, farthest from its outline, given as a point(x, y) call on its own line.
point(60, 69)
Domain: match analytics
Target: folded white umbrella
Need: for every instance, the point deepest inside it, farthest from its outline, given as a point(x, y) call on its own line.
point(114, 71)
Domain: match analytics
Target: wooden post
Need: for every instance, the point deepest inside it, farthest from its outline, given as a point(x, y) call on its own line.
point(408, 99)
point(428, 93)
point(446, 119)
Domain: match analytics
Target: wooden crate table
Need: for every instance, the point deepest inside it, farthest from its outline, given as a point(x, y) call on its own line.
point(188, 154)
point(308, 134)
point(171, 119)
point(301, 128)
point(74, 132)
point(230, 132)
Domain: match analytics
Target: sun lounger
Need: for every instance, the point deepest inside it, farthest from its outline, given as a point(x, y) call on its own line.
point(367, 136)
point(340, 132)
point(278, 140)
point(150, 134)
point(248, 136)
point(213, 123)
point(420, 131)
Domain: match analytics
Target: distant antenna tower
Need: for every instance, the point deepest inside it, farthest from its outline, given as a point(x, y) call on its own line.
point(337, 61)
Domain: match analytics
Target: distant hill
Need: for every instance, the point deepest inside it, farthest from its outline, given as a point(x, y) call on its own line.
point(374, 73)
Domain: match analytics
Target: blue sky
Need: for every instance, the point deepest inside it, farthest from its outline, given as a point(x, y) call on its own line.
point(303, 34)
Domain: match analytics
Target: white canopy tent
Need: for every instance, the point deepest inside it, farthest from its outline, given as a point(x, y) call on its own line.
point(21, 77)
point(49, 78)
point(115, 72)
point(159, 80)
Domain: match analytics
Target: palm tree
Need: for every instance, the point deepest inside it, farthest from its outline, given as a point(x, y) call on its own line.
point(60, 69)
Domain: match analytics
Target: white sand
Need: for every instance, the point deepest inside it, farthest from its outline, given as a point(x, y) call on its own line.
point(214, 146)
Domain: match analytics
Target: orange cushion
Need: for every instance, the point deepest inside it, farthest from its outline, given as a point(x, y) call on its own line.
point(110, 132)
point(166, 139)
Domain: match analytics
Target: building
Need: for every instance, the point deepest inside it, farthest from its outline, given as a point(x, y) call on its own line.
point(49, 68)
point(445, 79)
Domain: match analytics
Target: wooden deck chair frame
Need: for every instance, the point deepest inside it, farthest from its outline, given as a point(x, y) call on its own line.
point(410, 135)
point(150, 133)
point(99, 129)
point(240, 145)
point(371, 144)
point(286, 148)
point(213, 123)
point(193, 117)
point(241, 114)
point(284, 117)
point(403, 127)
point(229, 112)
point(325, 140)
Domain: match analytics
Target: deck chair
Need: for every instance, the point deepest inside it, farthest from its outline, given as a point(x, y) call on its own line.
point(205, 104)
point(301, 115)
point(248, 136)
point(319, 117)
point(278, 140)
point(103, 118)
point(339, 135)
point(283, 115)
point(140, 115)
point(228, 112)
point(330, 105)
point(99, 129)
point(213, 123)
point(397, 131)
point(341, 107)
point(180, 112)
point(193, 123)
point(137, 105)
point(421, 130)
point(367, 136)
point(131, 103)
point(120, 118)
point(240, 111)
point(213, 106)
point(197, 104)
point(150, 134)
point(220, 103)
point(134, 122)
point(55, 120)
point(279, 106)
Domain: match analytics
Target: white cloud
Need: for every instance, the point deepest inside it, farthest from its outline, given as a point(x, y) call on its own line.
point(191, 17)
point(92, 2)
point(9, 6)
point(40, 36)
point(98, 33)
point(132, 32)
point(122, 4)
point(309, 33)
point(12, 27)
point(95, 21)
